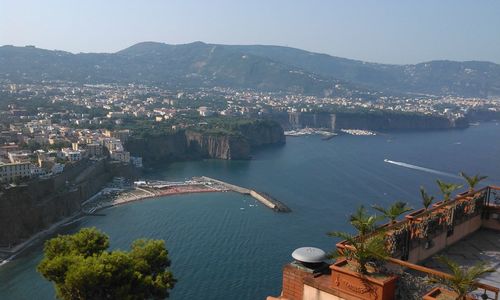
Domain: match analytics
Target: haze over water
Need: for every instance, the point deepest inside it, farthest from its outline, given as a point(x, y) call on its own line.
point(224, 245)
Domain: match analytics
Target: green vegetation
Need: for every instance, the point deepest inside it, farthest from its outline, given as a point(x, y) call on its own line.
point(81, 267)
point(472, 181)
point(447, 188)
point(394, 211)
point(360, 248)
point(426, 198)
point(364, 251)
point(363, 222)
point(463, 280)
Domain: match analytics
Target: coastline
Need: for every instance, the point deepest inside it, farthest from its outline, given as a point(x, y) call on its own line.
point(19, 248)
point(115, 196)
point(95, 204)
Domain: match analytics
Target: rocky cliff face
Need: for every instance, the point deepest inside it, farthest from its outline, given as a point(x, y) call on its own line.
point(218, 145)
point(193, 144)
point(159, 148)
point(29, 208)
point(263, 133)
point(366, 120)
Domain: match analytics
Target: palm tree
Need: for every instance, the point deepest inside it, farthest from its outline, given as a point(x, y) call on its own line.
point(447, 188)
point(462, 280)
point(472, 181)
point(362, 221)
point(426, 198)
point(394, 211)
point(363, 251)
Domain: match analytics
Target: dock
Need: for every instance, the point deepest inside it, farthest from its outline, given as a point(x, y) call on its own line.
point(263, 198)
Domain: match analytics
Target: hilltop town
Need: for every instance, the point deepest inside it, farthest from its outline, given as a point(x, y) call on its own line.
point(48, 125)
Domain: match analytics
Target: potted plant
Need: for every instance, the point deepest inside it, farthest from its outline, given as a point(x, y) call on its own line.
point(459, 283)
point(447, 189)
point(363, 222)
point(356, 273)
point(472, 181)
point(394, 211)
point(426, 202)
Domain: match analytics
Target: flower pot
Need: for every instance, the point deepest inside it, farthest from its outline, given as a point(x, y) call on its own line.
point(441, 294)
point(413, 215)
point(353, 285)
point(437, 203)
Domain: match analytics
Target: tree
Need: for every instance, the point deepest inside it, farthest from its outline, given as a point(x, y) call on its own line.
point(81, 267)
point(394, 211)
point(426, 198)
point(362, 221)
point(462, 280)
point(472, 181)
point(447, 188)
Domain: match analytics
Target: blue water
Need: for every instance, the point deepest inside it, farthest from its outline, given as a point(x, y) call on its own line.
point(220, 251)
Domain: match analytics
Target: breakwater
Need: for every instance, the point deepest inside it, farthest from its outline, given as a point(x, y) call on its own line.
point(263, 198)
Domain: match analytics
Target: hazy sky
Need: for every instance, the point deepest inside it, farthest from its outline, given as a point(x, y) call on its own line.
point(399, 31)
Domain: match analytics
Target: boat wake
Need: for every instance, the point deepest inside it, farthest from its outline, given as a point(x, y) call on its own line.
point(410, 166)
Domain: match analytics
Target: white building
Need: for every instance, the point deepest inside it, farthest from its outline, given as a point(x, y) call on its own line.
point(123, 156)
point(204, 111)
point(11, 171)
point(71, 154)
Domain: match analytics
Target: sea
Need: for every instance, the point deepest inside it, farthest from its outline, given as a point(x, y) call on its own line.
point(228, 246)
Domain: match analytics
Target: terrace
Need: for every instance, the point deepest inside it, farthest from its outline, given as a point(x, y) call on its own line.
point(465, 229)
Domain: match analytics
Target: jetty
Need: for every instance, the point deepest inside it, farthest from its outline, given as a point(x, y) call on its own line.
point(263, 198)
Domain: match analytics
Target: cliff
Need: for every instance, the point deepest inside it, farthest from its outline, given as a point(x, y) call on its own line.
point(153, 149)
point(233, 141)
point(32, 207)
point(262, 133)
point(221, 146)
point(483, 115)
point(367, 120)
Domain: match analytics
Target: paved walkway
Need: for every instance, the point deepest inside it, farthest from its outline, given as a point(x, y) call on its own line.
point(483, 245)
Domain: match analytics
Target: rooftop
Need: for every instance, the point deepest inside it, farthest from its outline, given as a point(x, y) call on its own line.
point(481, 246)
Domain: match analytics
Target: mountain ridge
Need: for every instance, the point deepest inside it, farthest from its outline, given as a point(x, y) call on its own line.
point(263, 67)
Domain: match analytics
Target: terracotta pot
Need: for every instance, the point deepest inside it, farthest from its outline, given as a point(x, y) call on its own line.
point(437, 203)
point(441, 293)
point(413, 215)
point(353, 285)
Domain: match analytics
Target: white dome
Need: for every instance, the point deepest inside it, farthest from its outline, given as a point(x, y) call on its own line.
point(309, 255)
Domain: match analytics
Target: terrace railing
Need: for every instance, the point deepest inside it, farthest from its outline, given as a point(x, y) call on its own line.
point(423, 233)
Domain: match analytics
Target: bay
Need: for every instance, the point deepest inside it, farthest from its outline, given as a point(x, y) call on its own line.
point(227, 246)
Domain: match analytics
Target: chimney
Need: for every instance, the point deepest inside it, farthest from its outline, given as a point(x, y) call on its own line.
point(308, 262)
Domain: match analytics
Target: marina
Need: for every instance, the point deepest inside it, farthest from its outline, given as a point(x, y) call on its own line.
point(358, 132)
point(326, 135)
point(113, 196)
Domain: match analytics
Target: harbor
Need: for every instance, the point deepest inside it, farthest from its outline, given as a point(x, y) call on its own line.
point(118, 193)
point(326, 135)
point(358, 132)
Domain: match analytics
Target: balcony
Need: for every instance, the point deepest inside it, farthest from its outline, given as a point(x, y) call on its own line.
point(465, 228)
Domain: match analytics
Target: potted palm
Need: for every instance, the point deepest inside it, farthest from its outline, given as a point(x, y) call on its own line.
point(394, 211)
point(472, 181)
point(426, 202)
point(460, 283)
point(355, 273)
point(363, 222)
point(447, 189)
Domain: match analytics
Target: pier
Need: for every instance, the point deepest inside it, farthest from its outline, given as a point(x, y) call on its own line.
point(263, 198)
point(141, 190)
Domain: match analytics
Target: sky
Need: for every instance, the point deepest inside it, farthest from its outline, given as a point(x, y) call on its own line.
point(396, 31)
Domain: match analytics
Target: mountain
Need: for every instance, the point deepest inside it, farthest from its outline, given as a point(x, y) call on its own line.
point(268, 68)
point(441, 77)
